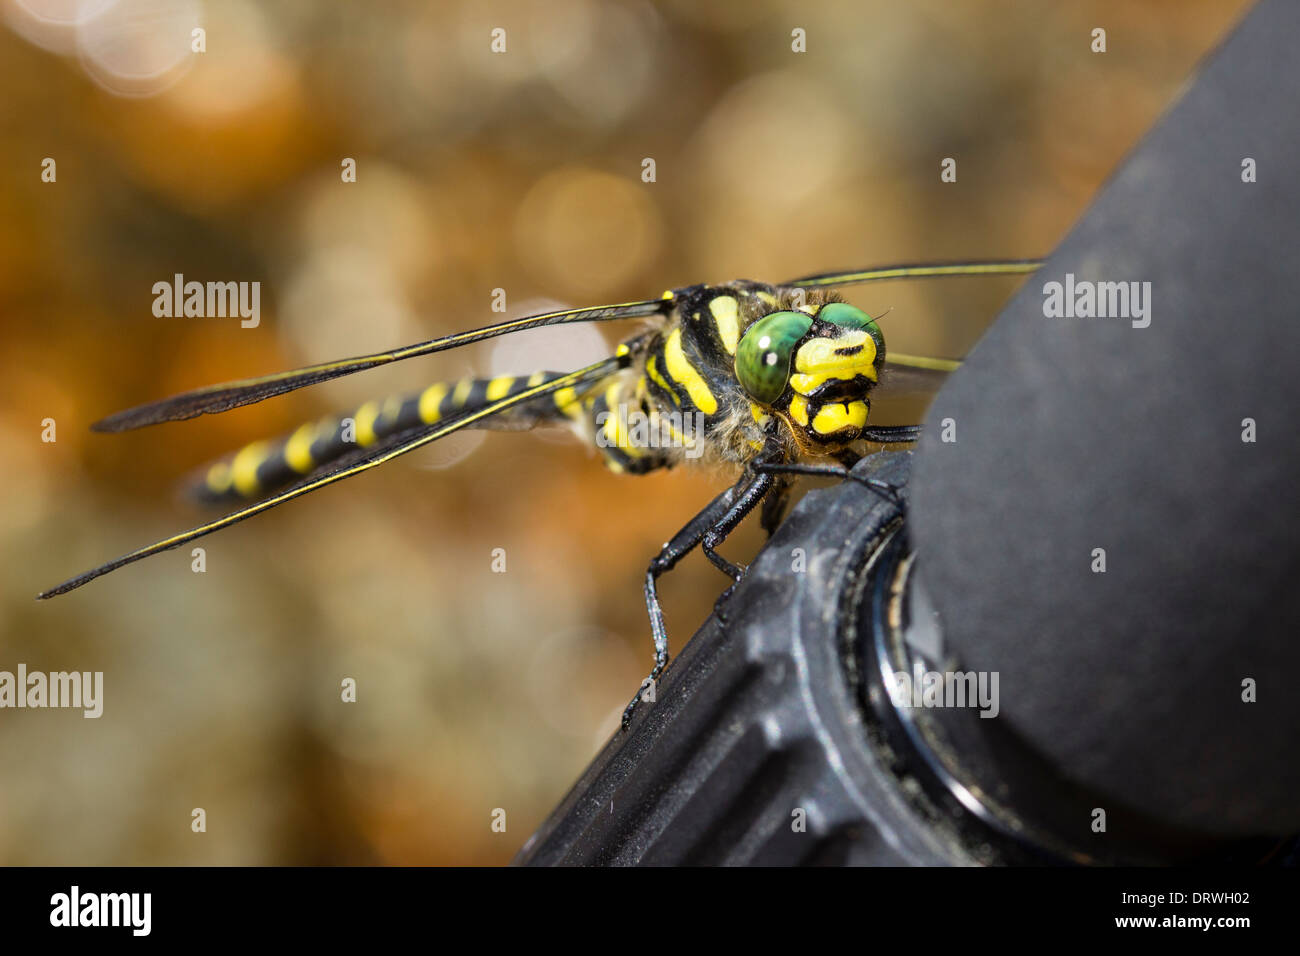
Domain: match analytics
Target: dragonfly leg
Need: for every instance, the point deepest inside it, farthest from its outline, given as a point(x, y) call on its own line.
point(882, 488)
point(757, 491)
point(725, 511)
point(748, 498)
point(775, 505)
point(892, 434)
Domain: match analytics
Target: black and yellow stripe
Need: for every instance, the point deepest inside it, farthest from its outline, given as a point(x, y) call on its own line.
point(212, 399)
point(608, 409)
point(384, 451)
point(265, 466)
point(688, 367)
point(684, 364)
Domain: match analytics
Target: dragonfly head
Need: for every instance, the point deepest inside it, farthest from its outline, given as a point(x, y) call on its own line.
point(814, 367)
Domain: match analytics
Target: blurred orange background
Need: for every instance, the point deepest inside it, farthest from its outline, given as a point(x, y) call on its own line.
point(475, 171)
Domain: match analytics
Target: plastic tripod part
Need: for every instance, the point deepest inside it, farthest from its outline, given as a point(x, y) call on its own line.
point(754, 750)
point(1080, 439)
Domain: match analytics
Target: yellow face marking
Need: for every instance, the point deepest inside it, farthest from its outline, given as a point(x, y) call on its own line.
point(431, 401)
point(799, 409)
point(653, 371)
point(726, 316)
point(297, 450)
point(463, 388)
point(768, 299)
point(833, 418)
point(759, 414)
point(681, 369)
point(365, 423)
point(499, 387)
point(219, 478)
point(816, 362)
point(243, 470)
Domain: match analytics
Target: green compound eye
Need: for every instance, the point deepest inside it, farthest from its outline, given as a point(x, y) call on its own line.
point(850, 317)
point(763, 356)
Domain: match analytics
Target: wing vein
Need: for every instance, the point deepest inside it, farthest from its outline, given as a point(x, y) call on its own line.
point(384, 452)
point(222, 397)
point(930, 270)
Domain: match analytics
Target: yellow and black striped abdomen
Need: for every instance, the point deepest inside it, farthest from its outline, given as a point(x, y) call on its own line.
point(266, 466)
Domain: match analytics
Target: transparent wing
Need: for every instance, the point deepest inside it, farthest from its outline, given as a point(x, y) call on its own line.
point(912, 376)
point(352, 464)
point(227, 395)
point(932, 270)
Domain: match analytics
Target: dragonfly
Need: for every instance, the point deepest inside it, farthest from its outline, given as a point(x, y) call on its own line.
point(775, 381)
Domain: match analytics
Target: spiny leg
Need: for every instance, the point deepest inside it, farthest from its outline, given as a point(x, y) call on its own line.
point(892, 434)
point(757, 491)
point(683, 543)
point(746, 501)
point(883, 488)
point(775, 505)
point(880, 435)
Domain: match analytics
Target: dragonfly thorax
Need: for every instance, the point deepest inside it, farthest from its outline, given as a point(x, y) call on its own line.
point(745, 354)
